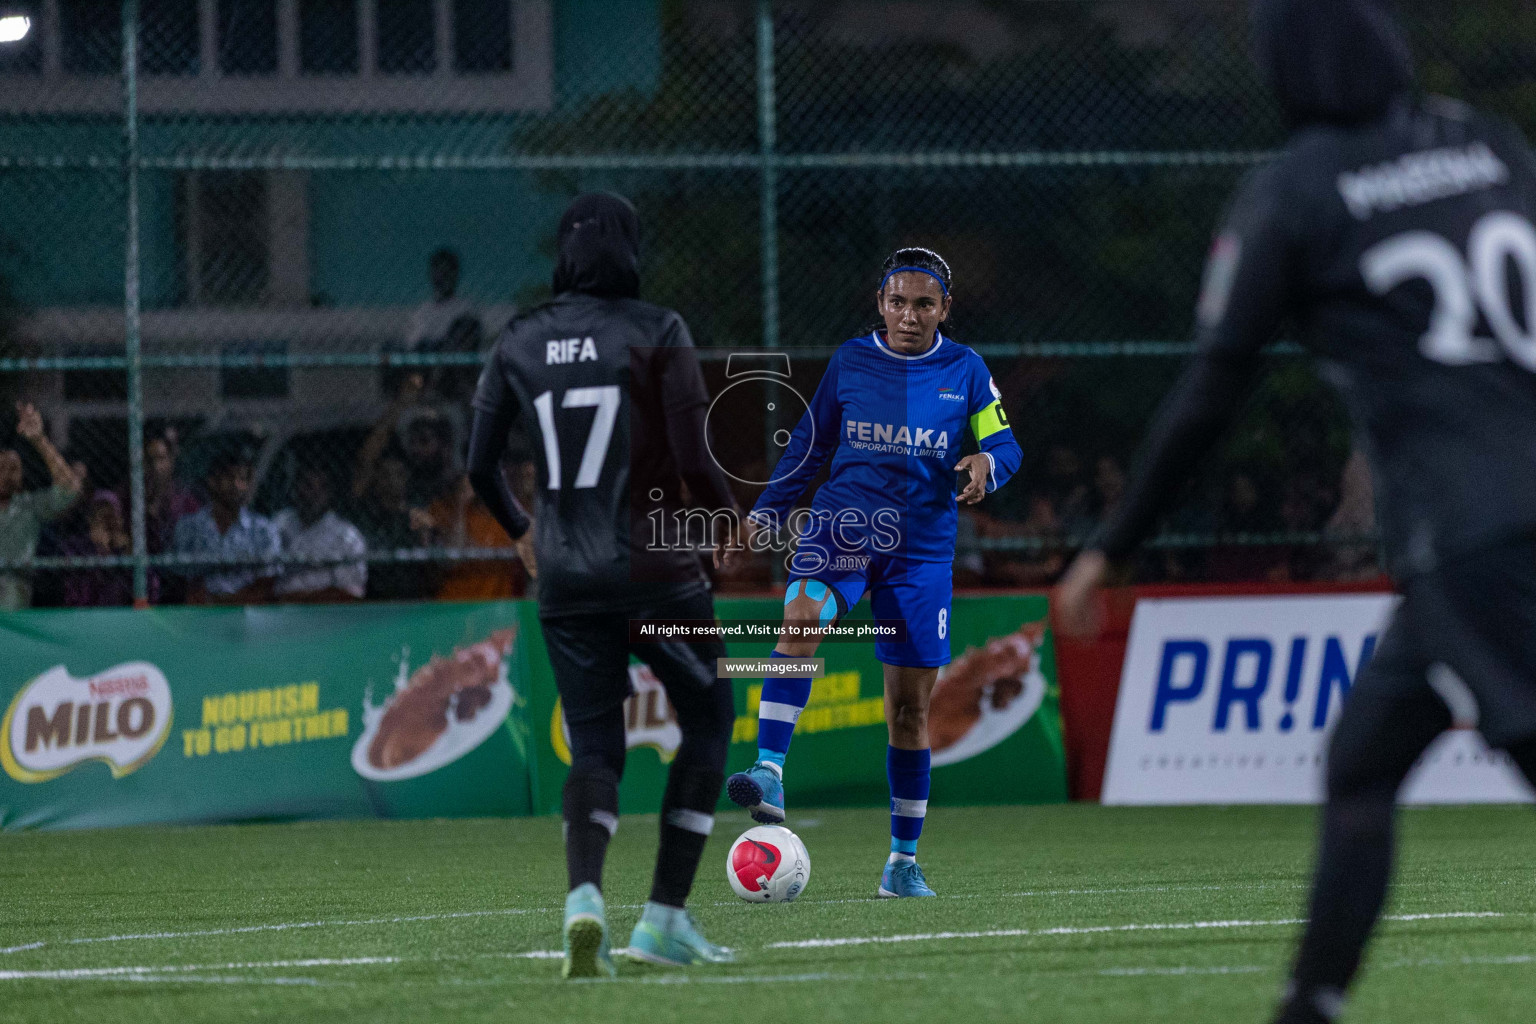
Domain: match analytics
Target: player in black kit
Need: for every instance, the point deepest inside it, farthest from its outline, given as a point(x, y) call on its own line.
point(1396, 234)
point(615, 391)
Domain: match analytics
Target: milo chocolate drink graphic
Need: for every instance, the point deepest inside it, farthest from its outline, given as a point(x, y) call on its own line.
point(986, 695)
point(446, 715)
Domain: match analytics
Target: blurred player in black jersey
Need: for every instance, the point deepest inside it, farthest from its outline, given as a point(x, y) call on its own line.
point(613, 386)
point(1396, 234)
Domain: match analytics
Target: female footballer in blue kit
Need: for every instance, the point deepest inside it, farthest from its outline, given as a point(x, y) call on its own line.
point(890, 413)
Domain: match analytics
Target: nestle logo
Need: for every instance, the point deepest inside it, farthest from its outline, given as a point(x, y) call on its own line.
point(119, 686)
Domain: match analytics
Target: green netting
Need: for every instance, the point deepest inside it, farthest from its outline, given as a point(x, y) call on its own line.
point(286, 176)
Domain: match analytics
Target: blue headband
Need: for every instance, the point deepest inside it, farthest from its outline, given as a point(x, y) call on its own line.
point(914, 270)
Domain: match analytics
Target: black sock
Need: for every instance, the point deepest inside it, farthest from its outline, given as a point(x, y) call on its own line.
point(1390, 719)
point(591, 818)
point(1353, 869)
point(687, 816)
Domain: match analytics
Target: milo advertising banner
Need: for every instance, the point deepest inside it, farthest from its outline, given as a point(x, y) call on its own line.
point(994, 722)
point(180, 715)
point(118, 717)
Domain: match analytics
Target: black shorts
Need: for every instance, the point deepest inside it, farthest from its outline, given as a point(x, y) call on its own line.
point(1476, 615)
point(590, 653)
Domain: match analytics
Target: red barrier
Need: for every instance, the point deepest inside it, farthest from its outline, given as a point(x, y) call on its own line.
point(1089, 670)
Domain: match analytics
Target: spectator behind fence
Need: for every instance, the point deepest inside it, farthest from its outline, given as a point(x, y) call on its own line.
point(1031, 567)
point(312, 529)
point(387, 523)
point(166, 502)
point(23, 513)
point(103, 534)
point(446, 323)
point(1064, 486)
point(1352, 521)
point(54, 539)
point(436, 322)
point(970, 564)
point(1246, 510)
point(461, 520)
point(429, 455)
point(427, 449)
point(228, 529)
point(1108, 487)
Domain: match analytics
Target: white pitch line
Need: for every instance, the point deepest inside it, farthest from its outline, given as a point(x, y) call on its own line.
point(207, 979)
point(178, 974)
point(76, 973)
point(281, 927)
point(1516, 960)
point(734, 979)
point(1175, 972)
point(1026, 893)
point(148, 972)
point(368, 922)
point(1008, 933)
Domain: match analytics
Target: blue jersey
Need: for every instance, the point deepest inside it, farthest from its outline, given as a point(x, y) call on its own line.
point(892, 425)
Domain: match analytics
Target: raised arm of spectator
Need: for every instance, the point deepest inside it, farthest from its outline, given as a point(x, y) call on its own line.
point(378, 438)
point(29, 424)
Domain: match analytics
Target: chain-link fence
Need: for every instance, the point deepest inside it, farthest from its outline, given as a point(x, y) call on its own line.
point(257, 247)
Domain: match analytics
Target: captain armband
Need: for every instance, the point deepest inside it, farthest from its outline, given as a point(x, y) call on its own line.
point(989, 421)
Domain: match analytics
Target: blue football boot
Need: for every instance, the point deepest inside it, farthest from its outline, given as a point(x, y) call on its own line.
point(903, 878)
point(760, 789)
point(668, 936)
point(586, 935)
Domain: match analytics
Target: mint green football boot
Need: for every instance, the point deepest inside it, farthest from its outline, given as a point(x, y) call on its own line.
point(668, 936)
point(586, 935)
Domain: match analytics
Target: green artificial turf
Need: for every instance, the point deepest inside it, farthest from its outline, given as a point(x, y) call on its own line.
point(415, 921)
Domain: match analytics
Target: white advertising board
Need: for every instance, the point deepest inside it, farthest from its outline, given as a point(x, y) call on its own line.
point(1231, 700)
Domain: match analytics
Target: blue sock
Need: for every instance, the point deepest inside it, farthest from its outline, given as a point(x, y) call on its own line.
point(782, 702)
point(909, 773)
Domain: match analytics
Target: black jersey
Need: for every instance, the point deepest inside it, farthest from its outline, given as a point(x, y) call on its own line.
point(1403, 250)
point(611, 391)
point(602, 381)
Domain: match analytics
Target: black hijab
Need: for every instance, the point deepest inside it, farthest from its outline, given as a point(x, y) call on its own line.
point(599, 247)
point(1338, 62)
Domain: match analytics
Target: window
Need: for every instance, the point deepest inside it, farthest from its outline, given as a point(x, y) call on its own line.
point(248, 37)
point(241, 58)
point(90, 37)
point(407, 37)
point(168, 37)
point(328, 37)
point(482, 36)
point(26, 55)
point(223, 221)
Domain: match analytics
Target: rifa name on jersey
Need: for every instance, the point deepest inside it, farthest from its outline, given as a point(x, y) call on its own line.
point(569, 350)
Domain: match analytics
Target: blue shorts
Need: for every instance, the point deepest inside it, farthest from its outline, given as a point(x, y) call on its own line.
point(900, 589)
